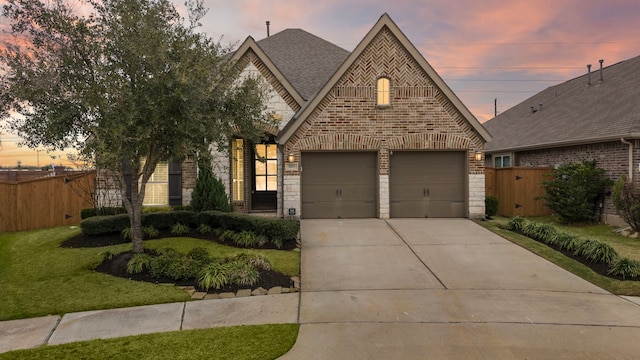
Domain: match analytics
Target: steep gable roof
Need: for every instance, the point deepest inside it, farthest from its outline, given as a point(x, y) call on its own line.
point(573, 112)
point(384, 21)
point(306, 60)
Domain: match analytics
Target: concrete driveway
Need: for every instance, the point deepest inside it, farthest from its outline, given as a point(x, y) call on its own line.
point(448, 289)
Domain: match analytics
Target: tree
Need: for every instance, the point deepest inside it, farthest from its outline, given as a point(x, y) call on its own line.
point(132, 80)
point(209, 193)
point(575, 190)
point(626, 199)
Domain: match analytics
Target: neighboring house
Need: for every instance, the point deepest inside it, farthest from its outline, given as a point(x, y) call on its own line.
point(593, 117)
point(372, 133)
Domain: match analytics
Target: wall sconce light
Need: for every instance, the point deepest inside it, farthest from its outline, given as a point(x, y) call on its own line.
point(291, 158)
point(478, 155)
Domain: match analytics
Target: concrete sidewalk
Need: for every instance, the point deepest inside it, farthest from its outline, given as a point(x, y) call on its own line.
point(448, 289)
point(112, 323)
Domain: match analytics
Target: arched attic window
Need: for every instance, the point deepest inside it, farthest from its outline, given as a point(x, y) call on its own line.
point(384, 91)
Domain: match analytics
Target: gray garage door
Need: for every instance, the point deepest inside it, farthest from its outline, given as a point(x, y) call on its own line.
point(339, 185)
point(427, 184)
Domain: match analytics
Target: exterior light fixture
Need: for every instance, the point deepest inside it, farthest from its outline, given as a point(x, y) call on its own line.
point(478, 156)
point(291, 158)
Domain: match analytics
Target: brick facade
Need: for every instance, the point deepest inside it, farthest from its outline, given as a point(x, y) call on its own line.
point(419, 117)
point(612, 156)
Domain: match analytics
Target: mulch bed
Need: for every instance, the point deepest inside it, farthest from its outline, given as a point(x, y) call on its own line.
point(600, 268)
point(117, 265)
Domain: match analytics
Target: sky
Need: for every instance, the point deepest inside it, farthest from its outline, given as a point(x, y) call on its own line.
point(487, 51)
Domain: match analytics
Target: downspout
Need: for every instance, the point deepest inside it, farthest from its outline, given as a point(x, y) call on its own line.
point(630, 177)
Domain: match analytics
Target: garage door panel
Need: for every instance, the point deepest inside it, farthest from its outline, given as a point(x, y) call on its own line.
point(427, 183)
point(339, 184)
point(446, 209)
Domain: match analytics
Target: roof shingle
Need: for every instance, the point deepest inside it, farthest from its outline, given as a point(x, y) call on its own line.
point(573, 112)
point(306, 60)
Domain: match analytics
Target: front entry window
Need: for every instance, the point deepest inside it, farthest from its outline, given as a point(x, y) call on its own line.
point(266, 163)
point(237, 150)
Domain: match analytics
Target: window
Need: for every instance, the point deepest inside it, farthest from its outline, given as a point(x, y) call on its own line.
point(266, 163)
point(237, 152)
point(502, 161)
point(157, 190)
point(383, 92)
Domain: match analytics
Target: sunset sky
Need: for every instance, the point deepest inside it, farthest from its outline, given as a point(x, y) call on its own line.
point(484, 50)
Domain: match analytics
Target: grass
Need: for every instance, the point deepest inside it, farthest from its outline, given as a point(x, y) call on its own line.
point(596, 232)
point(38, 277)
point(240, 342)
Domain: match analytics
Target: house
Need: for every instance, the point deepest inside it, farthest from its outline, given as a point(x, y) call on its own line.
point(372, 133)
point(592, 117)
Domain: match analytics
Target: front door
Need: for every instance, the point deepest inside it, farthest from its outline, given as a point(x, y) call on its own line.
point(264, 194)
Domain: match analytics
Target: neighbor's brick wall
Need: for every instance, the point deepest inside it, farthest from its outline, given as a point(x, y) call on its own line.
point(420, 116)
point(611, 156)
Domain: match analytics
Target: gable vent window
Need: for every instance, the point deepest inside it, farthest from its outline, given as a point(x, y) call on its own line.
point(384, 94)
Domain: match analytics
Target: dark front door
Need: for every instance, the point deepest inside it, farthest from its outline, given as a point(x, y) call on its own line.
point(264, 192)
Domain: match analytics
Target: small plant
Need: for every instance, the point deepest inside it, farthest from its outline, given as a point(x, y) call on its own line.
point(179, 229)
point(214, 276)
point(245, 239)
point(150, 232)
point(106, 255)
point(126, 233)
point(562, 239)
point(257, 261)
point(199, 254)
point(626, 268)
point(516, 224)
point(243, 274)
point(602, 253)
point(204, 229)
point(572, 244)
point(139, 263)
point(491, 206)
point(546, 233)
point(227, 236)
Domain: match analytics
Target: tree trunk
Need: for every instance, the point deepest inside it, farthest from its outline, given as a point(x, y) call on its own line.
point(136, 218)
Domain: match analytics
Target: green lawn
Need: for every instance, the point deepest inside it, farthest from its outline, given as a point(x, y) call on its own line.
point(38, 277)
point(260, 342)
point(624, 246)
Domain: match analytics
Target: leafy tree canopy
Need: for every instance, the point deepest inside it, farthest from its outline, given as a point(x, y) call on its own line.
point(125, 80)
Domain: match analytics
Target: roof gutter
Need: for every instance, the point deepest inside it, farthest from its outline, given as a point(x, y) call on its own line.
point(630, 144)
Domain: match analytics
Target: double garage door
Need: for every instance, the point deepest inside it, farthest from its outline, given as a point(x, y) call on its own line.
point(344, 184)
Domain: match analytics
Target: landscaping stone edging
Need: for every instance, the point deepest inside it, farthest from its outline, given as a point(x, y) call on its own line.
point(198, 295)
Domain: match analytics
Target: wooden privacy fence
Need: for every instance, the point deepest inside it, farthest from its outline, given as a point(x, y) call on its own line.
point(45, 202)
point(517, 189)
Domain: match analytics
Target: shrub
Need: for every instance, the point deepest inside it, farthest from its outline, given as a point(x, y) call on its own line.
point(138, 263)
point(575, 190)
point(601, 253)
point(209, 193)
point(126, 233)
point(179, 229)
point(160, 220)
point(243, 274)
point(516, 224)
point(626, 268)
point(214, 275)
point(245, 239)
point(199, 254)
point(209, 218)
point(161, 264)
point(626, 199)
point(100, 225)
point(204, 229)
point(491, 206)
point(102, 211)
point(154, 209)
point(150, 232)
point(186, 217)
point(257, 261)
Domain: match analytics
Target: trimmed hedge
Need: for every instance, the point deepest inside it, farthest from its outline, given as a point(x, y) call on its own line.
point(90, 212)
point(276, 230)
point(101, 225)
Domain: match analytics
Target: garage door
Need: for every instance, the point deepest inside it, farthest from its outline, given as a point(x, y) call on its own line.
point(339, 185)
point(427, 184)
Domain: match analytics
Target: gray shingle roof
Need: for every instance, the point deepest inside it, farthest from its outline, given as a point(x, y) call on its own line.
point(306, 60)
point(573, 112)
